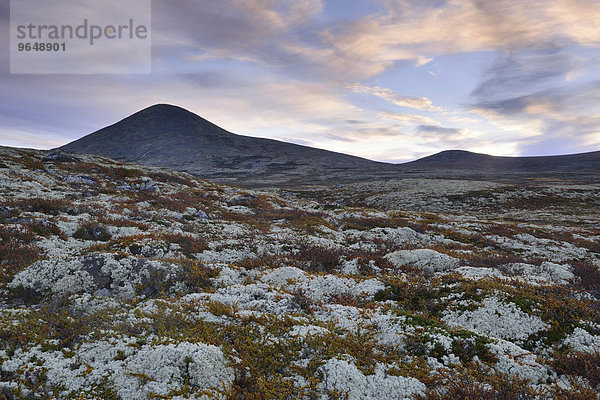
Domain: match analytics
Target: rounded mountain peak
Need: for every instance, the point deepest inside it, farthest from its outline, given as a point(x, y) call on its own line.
point(160, 127)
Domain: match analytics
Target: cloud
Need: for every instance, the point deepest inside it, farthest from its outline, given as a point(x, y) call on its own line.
point(417, 31)
point(276, 33)
point(438, 130)
point(447, 137)
point(523, 72)
point(36, 140)
point(407, 118)
point(548, 116)
point(419, 103)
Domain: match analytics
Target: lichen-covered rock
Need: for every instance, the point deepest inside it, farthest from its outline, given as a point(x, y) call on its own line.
point(134, 372)
point(426, 259)
point(147, 185)
point(242, 200)
point(101, 274)
point(79, 180)
point(60, 156)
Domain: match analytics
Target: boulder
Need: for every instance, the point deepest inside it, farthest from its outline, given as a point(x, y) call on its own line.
point(425, 259)
point(60, 156)
point(242, 200)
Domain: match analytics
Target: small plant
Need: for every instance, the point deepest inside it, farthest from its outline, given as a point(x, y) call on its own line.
point(587, 277)
point(16, 252)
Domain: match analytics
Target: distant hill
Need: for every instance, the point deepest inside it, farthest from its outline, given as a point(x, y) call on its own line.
point(170, 136)
point(466, 160)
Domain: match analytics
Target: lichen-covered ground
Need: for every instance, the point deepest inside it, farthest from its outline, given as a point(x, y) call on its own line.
point(127, 282)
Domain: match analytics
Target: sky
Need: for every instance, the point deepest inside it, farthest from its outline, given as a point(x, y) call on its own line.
point(388, 80)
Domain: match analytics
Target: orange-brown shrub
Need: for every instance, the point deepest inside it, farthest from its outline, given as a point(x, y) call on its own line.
point(473, 382)
point(585, 365)
point(588, 277)
point(42, 205)
point(318, 258)
point(16, 252)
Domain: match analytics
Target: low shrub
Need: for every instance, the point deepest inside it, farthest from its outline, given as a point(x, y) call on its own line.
point(16, 251)
point(476, 382)
point(189, 244)
point(585, 365)
point(42, 205)
point(198, 275)
point(318, 258)
point(587, 277)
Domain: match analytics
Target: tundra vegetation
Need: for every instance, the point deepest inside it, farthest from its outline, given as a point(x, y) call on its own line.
point(125, 282)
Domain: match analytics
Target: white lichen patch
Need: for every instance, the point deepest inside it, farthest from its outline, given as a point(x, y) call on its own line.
point(345, 377)
point(498, 319)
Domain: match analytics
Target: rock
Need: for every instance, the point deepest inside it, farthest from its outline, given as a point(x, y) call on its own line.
point(94, 232)
point(79, 180)
point(201, 214)
point(426, 259)
point(19, 220)
point(6, 211)
point(147, 184)
point(6, 393)
point(60, 156)
point(103, 274)
point(335, 204)
point(242, 200)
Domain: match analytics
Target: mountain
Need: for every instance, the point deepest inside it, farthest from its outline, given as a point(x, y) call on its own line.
point(169, 136)
point(466, 160)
